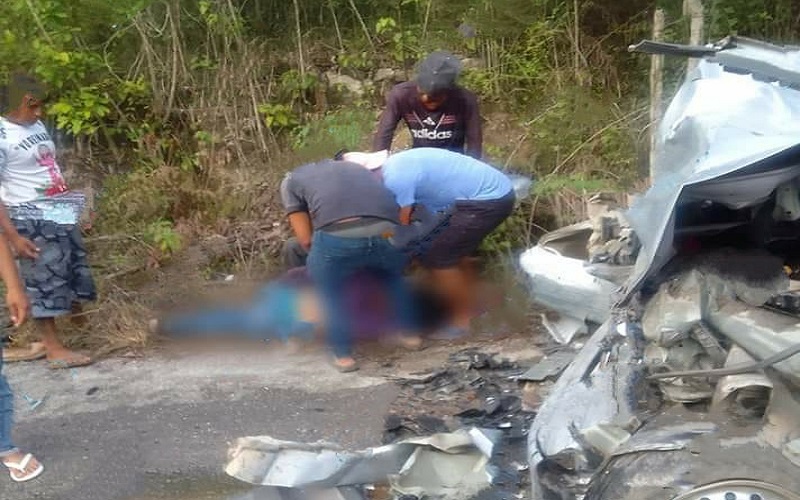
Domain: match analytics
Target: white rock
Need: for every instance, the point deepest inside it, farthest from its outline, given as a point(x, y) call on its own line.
point(347, 82)
point(472, 63)
point(384, 74)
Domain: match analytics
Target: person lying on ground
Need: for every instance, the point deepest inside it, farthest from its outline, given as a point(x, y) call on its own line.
point(345, 218)
point(21, 466)
point(476, 197)
point(289, 307)
point(40, 217)
point(437, 111)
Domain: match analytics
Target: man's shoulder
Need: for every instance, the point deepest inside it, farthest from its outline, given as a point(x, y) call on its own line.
point(404, 163)
point(402, 91)
point(466, 95)
point(312, 173)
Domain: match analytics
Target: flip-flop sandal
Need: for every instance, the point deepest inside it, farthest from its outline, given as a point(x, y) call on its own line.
point(344, 369)
point(21, 467)
point(63, 364)
point(34, 351)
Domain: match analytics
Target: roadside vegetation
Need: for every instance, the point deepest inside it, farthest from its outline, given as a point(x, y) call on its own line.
point(182, 117)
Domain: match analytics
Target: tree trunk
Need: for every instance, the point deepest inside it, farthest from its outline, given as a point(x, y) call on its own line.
point(694, 9)
point(656, 87)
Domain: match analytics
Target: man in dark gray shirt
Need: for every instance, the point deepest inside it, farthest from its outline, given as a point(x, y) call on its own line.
point(344, 217)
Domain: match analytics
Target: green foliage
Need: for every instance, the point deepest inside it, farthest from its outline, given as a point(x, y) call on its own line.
point(81, 111)
point(346, 128)
point(354, 59)
point(777, 19)
point(481, 81)
point(278, 116)
point(162, 235)
point(402, 44)
point(123, 80)
point(295, 87)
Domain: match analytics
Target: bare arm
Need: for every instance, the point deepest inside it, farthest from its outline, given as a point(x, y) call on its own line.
point(23, 246)
point(296, 207)
point(474, 129)
point(387, 124)
point(16, 300)
point(405, 215)
point(301, 225)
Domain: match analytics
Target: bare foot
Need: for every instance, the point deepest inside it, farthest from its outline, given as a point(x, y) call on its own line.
point(410, 342)
point(345, 365)
point(22, 466)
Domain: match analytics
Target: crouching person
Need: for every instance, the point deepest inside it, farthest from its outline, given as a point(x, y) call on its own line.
point(476, 199)
point(344, 217)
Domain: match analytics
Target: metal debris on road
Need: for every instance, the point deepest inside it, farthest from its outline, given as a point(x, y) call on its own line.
point(32, 402)
point(549, 367)
point(446, 465)
point(454, 433)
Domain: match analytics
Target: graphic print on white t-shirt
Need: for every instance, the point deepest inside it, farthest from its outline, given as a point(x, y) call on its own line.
point(31, 183)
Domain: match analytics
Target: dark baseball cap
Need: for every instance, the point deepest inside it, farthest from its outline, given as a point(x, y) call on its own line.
point(438, 72)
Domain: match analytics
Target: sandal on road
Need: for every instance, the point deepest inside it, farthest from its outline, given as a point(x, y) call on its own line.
point(34, 351)
point(19, 470)
point(70, 362)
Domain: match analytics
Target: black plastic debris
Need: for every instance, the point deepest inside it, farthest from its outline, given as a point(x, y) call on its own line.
point(432, 425)
point(474, 389)
point(393, 422)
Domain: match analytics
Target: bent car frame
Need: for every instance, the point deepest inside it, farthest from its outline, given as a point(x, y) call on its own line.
point(687, 386)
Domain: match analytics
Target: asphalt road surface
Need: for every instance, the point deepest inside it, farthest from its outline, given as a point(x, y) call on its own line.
point(159, 429)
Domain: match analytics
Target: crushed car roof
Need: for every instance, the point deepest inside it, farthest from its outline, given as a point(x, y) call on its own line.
point(730, 135)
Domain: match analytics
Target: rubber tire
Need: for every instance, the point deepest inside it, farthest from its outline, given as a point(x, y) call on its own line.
point(663, 475)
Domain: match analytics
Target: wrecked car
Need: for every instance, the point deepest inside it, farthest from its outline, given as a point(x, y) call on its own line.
point(686, 384)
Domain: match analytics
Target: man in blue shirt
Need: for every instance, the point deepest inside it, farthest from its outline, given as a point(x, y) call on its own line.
point(477, 198)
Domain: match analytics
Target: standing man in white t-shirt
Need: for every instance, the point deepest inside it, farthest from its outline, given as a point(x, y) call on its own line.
point(40, 216)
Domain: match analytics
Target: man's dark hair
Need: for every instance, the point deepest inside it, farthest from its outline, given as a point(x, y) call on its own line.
point(20, 85)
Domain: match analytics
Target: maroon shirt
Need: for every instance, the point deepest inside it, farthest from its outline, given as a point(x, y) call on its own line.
point(455, 122)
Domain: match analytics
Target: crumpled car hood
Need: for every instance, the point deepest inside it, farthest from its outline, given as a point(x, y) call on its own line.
point(726, 137)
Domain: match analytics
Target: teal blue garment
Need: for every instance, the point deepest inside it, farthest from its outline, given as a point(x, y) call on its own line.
point(274, 313)
point(282, 311)
point(437, 178)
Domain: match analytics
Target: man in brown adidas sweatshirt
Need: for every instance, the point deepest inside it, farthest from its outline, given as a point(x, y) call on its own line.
point(438, 113)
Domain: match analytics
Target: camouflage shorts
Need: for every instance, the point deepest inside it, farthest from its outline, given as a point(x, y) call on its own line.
point(60, 275)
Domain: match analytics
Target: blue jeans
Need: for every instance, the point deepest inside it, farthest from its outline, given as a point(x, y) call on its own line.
point(333, 259)
point(272, 313)
point(6, 413)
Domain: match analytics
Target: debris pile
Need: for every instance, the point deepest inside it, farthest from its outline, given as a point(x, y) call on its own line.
point(474, 389)
point(455, 433)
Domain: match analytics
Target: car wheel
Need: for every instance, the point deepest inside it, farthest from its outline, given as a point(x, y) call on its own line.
point(716, 472)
